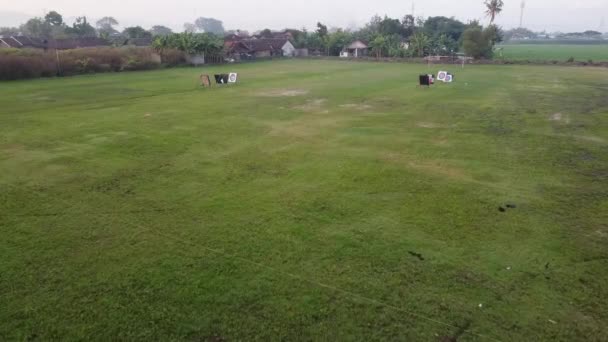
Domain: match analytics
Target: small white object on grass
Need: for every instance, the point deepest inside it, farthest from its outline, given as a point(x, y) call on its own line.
point(480, 306)
point(552, 321)
point(509, 268)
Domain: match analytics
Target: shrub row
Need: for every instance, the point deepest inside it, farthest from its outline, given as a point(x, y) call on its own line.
point(23, 63)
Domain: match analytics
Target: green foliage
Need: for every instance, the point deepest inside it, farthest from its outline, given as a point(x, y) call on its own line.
point(443, 45)
point(105, 26)
point(379, 46)
point(81, 28)
point(435, 27)
point(493, 8)
point(53, 18)
point(36, 27)
point(210, 25)
point(420, 44)
point(191, 43)
point(389, 27)
point(322, 30)
point(478, 43)
point(189, 28)
point(9, 31)
point(408, 26)
point(337, 41)
point(159, 30)
point(136, 32)
point(266, 33)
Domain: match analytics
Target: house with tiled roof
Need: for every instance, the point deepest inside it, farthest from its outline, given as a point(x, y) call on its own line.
point(25, 42)
point(257, 48)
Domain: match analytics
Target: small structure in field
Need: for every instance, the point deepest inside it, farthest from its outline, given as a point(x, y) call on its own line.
point(356, 49)
point(259, 48)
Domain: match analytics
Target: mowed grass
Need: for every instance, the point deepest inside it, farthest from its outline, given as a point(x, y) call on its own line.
point(554, 52)
point(315, 200)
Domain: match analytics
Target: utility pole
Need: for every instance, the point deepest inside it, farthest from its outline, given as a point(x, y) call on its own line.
point(521, 17)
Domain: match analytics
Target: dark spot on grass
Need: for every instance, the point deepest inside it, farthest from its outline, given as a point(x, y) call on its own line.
point(511, 206)
point(417, 255)
point(502, 209)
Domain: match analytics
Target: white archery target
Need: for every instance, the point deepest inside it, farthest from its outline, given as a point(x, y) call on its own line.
point(449, 78)
point(233, 77)
point(442, 75)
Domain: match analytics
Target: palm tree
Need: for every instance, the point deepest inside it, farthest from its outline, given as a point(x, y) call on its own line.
point(494, 7)
point(419, 44)
point(378, 45)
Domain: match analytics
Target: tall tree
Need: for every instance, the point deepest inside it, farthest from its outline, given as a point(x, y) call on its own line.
point(408, 25)
point(478, 43)
point(322, 30)
point(136, 32)
point(53, 18)
point(266, 33)
point(105, 26)
point(9, 31)
point(210, 25)
point(323, 33)
point(379, 46)
point(389, 26)
point(159, 30)
point(434, 27)
point(36, 27)
point(81, 28)
point(493, 8)
point(419, 44)
point(189, 28)
point(191, 43)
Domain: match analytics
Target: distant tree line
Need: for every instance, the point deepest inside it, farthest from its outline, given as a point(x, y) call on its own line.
point(52, 25)
point(407, 36)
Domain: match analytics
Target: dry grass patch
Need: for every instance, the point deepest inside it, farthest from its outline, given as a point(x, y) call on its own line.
point(283, 93)
point(428, 125)
point(356, 106)
point(435, 167)
point(312, 106)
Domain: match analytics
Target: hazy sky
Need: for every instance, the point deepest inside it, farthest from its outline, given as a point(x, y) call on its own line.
point(552, 15)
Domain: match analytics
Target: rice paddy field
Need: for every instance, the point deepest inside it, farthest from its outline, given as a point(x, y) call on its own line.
point(313, 200)
point(554, 52)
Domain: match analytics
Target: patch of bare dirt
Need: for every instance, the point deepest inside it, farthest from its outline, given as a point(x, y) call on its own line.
point(13, 149)
point(559, 117)
point(284, 93)
point(313, 106)
point(356, 106)
point(441, 142)
point(591, 138)
point(434, 167)
point(428, 125)
point(306, 126)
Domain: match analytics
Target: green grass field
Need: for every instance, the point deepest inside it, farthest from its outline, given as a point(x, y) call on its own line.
point(315, 200)
point(563, 52)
